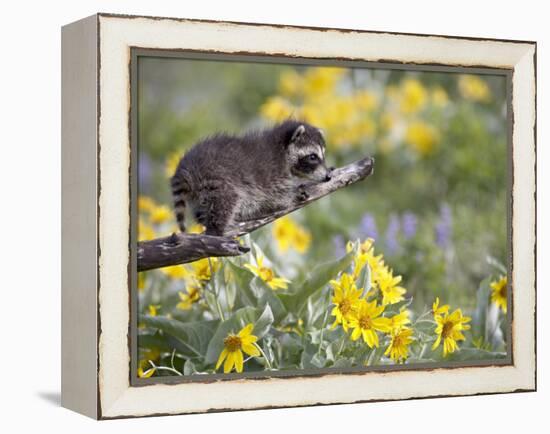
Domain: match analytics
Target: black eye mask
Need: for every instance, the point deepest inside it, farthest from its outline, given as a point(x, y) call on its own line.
point(307, 164)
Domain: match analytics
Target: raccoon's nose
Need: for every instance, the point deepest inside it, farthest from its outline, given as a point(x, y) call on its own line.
point(328, 177)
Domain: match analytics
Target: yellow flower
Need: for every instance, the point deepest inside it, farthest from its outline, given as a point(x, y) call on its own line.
point(146, 204)
point(234, 345)
point(152, 354)
point(320, 81)
point(413, 96)
point(161, 214)
point(276, 109)
point(290, 83)
point(172, 163)
point(145, 374)
point(141, 281)
point(145, 231)
point(196, 228)
point(398, 349)
point(367, 321)
point(400, 320)
point(365, 100)
point(439, 310)
point(175, 272)
point(267, 274)
point(423, 138)
point(203, 268)
point(499, 296)
point(449, 330)
point(191, 295)
point(474, 88)
point(288, 234)
point(365, 255)
point(153, 309)
point(439, 97)
point(346, 300)
point(388, 284)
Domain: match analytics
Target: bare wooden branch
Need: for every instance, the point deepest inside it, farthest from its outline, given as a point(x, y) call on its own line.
point(182, 248)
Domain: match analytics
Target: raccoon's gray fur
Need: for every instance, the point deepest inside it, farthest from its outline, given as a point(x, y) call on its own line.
point(226, 179)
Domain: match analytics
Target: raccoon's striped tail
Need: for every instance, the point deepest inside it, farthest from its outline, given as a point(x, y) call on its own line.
point(180, 188)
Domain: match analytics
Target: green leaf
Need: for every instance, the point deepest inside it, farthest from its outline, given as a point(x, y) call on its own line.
point(263, 323)
point(193, 335)
point(243, 277)
point(318, 278)
point(267, 296)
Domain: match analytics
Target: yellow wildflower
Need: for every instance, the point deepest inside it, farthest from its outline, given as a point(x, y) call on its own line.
point(367, 321)
point(172, 163)
point(474, 88)
point(146, 204)
point(499, 295)
point(346, 300)
point(276, 109)
point(413, 96)
point(422, 137)
point(388, 284)
point(141, 281)
point(365, 100)
point(290, 83)
point(145, 374)
point(234, 345)
point(449, 330)
point(439, 310)
point(191, 295)
point(365, 255)
point(161, 214)
point(152, 354)
point(399, 320)
point(288, 234)
point(153, 309)
point(203, 268)
point(267, 274)
point(439, 97)
point(398, 348)
point(175, 272)
point(196, 228)
point(320, 81)
point(145, 231)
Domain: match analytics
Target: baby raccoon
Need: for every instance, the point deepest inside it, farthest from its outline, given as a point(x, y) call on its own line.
point(226, 179)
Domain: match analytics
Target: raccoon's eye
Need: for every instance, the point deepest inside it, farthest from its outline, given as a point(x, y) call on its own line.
point(312, 158)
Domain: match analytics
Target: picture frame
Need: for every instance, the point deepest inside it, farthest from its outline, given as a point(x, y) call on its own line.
point(99, 255)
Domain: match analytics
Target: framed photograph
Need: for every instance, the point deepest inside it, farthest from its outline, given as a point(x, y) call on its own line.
point(262, 216)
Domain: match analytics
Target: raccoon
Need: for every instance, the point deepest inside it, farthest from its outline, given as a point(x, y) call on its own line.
point(225, 179)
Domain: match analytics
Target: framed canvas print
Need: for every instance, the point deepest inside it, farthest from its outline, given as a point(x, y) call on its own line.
point(261, 216)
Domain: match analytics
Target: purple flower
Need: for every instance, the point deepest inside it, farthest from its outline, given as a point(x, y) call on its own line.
point(339, 245)
point(145, 172)
point(410, 223)
point(392, 231)
point(367, 227)
point(444, 227)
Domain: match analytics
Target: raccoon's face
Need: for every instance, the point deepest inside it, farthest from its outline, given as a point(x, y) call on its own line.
point(306, 154)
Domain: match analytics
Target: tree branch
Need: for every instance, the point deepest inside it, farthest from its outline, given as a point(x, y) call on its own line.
point(182, 248)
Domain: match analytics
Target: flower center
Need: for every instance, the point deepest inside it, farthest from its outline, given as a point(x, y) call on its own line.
point(345, 307)
point(266, 274)
point(232, 343)
point(502, 292)
point(447, 328)
point(365, 322)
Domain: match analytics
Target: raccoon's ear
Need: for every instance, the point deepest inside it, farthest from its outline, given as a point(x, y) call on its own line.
point(297, 133)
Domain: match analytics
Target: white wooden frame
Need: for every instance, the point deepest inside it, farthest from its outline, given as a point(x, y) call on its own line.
point(96, 218)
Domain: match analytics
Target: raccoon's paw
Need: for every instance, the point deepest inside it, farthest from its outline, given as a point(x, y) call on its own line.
point(303, 195)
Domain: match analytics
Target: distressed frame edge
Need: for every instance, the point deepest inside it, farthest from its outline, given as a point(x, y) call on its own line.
point(529, 387)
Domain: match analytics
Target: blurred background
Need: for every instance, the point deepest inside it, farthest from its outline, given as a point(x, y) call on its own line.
point(436, 204)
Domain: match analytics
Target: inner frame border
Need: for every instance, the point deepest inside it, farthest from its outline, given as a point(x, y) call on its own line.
point(252, 57)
